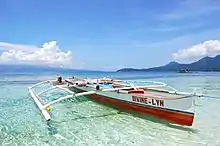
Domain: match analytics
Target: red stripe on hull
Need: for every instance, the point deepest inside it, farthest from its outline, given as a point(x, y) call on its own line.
point(136, 92)
point(165, 114)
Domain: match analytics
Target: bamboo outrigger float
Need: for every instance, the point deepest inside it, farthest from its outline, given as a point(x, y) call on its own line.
point(170, 105)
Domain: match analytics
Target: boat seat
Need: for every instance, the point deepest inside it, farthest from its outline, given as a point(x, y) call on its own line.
point(55, 83)
point(117, 86)
point(69, 82)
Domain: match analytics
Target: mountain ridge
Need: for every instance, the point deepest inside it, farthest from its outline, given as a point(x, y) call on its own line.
point(204, 64)
point(29, 68)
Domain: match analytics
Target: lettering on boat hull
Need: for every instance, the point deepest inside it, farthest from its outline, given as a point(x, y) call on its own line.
point(148, 101)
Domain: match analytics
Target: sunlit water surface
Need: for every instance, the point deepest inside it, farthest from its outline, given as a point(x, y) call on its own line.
point(84, 122)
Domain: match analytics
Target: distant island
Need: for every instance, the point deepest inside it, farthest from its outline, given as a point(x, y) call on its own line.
point(25, 68)
point(205, 64)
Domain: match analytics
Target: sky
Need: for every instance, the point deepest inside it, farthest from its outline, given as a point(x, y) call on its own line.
point(108, 35)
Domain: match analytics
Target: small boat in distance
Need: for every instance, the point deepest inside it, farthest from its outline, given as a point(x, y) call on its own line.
point(146, 97)
point(184, 71)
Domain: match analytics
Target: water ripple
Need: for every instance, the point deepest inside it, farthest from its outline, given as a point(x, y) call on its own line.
point(81, 121)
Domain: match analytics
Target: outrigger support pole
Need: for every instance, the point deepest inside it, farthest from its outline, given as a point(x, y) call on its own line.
point(40, 106)
point(38, 102)
point(43, 107)
point(81, 94)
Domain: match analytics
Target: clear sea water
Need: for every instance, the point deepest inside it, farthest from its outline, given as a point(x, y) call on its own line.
point(84, 122)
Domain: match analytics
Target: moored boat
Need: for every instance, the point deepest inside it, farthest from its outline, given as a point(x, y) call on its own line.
point(146, 97)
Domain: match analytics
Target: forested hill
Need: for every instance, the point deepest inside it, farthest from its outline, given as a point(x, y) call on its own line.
point(204, 64)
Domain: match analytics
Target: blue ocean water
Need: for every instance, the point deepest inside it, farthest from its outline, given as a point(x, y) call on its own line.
point(84, 122)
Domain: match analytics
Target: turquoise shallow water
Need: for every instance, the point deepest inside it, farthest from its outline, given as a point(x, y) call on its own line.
point(84, 122)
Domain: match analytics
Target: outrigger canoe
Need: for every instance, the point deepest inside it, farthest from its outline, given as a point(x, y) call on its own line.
point(145, 97)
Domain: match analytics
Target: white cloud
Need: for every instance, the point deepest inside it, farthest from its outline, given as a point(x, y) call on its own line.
point(208, 48)
point(48, 54)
